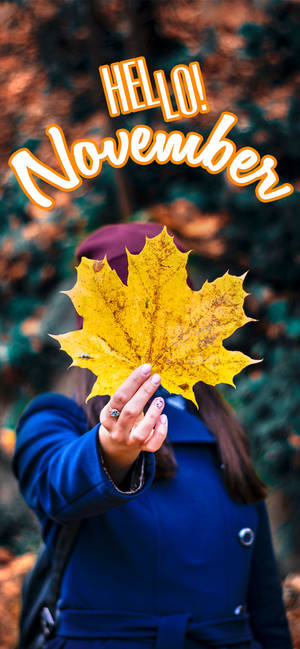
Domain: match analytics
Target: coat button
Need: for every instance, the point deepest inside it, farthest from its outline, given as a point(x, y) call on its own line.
point(240, 609)
point(246, 536)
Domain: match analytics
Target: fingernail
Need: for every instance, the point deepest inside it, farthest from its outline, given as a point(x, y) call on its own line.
point(155, 379)
point(163, 419)
point(146, 369)
point(159, 402)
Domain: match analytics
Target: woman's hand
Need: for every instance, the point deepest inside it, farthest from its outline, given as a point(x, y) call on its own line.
point(123, 438)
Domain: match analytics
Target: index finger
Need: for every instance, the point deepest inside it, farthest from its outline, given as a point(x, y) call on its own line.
point(130, 386)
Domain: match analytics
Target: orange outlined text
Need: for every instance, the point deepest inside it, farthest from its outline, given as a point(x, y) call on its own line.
point(128, 89)
point(84, 159)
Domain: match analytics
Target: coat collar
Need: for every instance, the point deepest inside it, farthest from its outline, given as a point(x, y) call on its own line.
point(183, 425)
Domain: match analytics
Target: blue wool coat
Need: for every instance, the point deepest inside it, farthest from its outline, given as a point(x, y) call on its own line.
point(174, 564)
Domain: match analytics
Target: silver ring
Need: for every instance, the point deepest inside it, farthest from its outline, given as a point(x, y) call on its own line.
point(114, 412)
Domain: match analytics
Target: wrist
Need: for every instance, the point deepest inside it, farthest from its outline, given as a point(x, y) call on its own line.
point(118, 459)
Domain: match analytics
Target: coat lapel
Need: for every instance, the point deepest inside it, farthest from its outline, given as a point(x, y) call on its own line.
point(183, 425)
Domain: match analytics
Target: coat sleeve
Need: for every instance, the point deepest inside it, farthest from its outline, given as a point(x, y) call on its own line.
point(265, 602)
point(59, 466)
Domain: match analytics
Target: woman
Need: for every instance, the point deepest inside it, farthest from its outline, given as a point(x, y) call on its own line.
point(174, 549)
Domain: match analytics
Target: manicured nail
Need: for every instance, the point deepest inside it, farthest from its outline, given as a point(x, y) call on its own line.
point(155, 379)
point(159, 402)
point(146, 369)
point(163, 419)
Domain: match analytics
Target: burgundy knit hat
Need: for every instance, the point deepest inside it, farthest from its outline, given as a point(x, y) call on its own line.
point(111, 240)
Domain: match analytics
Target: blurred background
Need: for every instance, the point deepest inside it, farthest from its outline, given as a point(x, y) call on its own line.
point(249, 52)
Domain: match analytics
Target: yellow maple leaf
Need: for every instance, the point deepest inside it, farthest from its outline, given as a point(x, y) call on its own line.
point(157, 318)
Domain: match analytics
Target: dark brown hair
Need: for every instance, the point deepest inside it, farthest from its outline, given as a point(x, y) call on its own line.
point(242, 482)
